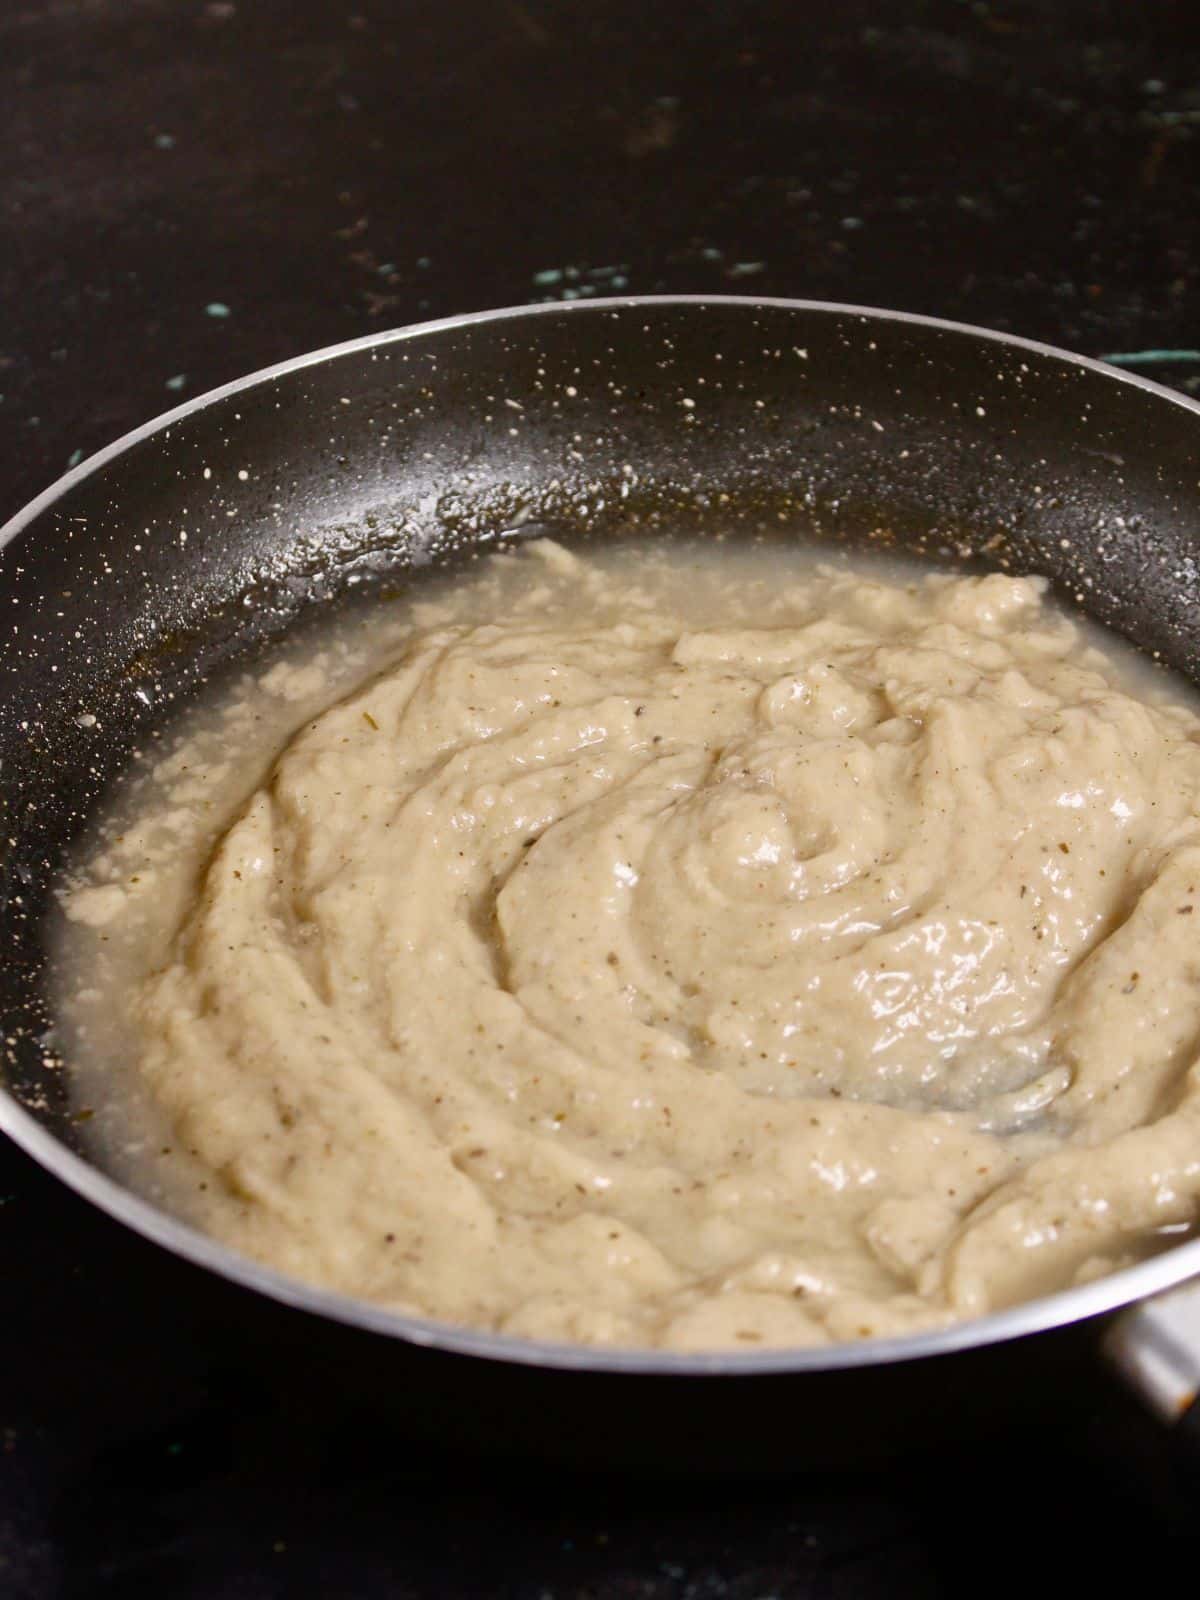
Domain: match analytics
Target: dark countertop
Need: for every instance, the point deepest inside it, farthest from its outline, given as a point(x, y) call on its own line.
point(189, 191)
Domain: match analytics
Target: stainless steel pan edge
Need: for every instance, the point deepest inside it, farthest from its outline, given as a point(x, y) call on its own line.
point(1147, 1286)
point(1135, 1340)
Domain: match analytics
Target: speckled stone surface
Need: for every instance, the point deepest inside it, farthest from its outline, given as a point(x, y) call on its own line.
point(192, 190)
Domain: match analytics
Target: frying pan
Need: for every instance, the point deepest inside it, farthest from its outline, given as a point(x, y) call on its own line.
point(185, 548)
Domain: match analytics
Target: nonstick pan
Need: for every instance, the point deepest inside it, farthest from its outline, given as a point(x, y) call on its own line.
point(187, 547)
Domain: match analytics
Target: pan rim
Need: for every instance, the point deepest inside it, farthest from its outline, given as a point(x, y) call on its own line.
point(1062, 1309)
point(1068, 1306)
point(567, 308)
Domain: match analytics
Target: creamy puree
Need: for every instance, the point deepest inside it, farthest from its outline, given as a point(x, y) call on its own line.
point(654, 952)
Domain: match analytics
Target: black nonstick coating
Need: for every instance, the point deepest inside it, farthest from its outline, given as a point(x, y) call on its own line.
point(188, 547)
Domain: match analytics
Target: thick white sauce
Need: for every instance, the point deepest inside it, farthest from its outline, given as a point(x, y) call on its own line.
point(684, 949)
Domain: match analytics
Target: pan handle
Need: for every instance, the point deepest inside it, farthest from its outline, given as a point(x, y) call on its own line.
point(1155, 1345)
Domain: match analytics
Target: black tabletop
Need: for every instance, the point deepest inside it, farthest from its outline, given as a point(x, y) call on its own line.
point(192, 190)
